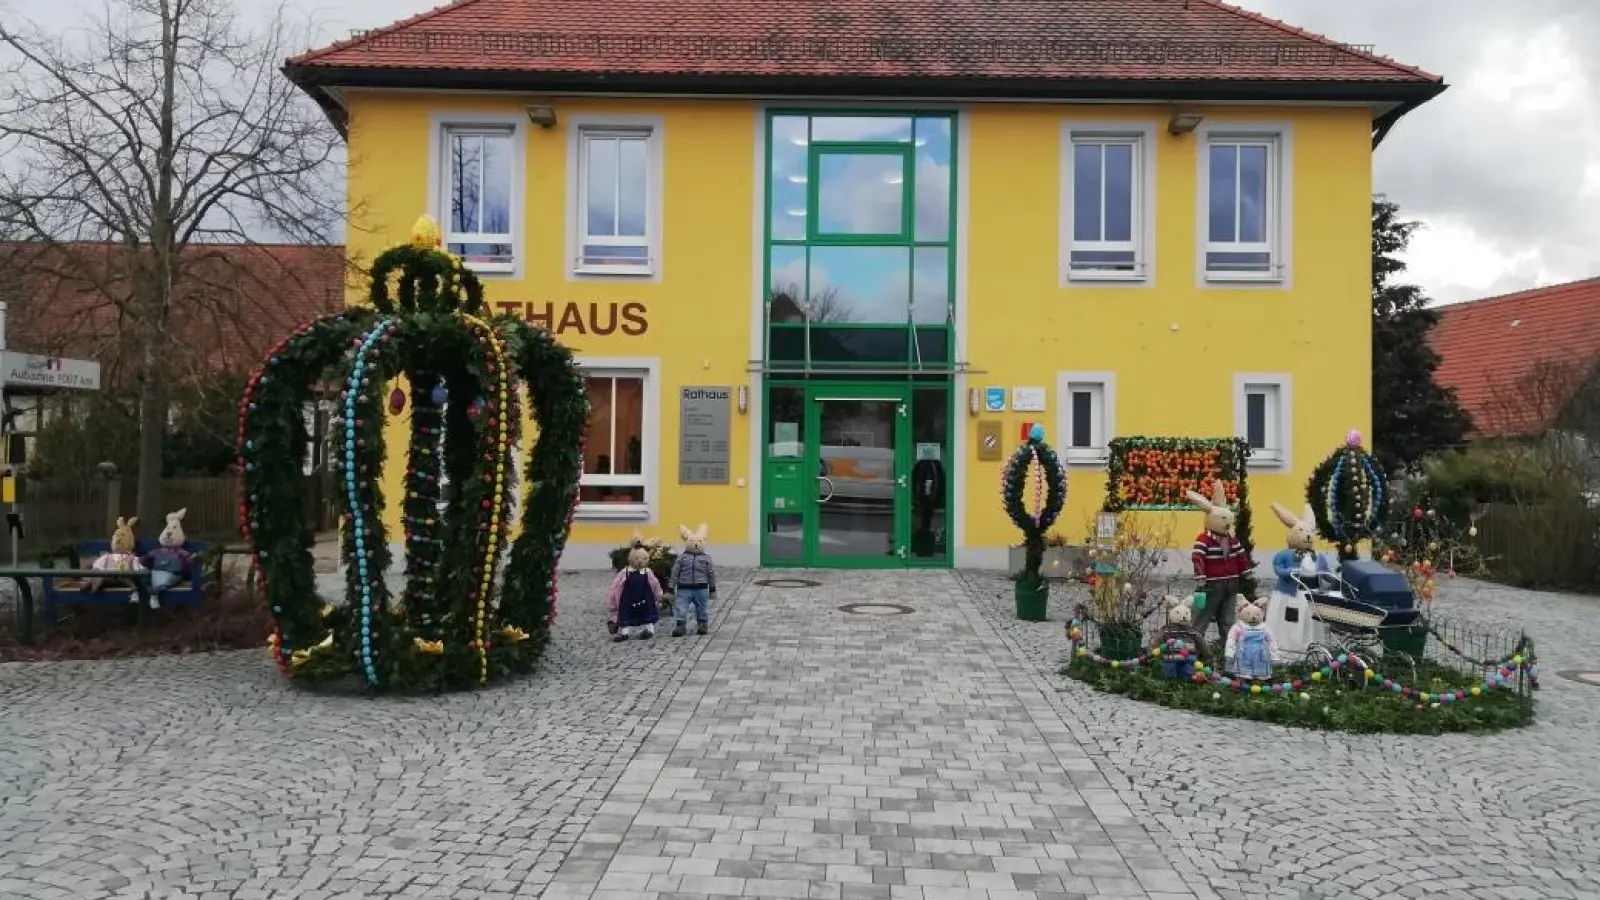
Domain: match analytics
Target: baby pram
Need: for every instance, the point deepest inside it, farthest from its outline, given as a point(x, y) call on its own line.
point(1363, 607)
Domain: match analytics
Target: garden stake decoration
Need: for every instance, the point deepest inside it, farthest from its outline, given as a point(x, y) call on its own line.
point(1348, 494)
point(1034, 468)
point(461, 621)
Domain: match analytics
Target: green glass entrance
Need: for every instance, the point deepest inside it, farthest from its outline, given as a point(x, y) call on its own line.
point(860, 340)
point(855, 474)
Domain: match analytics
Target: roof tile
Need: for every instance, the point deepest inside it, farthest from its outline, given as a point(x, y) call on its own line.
point(1488, 347)
point(1000, 39)
point(235, 300)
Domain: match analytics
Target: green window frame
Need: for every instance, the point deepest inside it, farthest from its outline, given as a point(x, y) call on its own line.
point(929, 345)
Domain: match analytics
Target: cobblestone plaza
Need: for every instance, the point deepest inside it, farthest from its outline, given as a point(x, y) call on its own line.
point(797, 751)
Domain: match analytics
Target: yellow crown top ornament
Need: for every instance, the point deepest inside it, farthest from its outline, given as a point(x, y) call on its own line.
point(426, 233)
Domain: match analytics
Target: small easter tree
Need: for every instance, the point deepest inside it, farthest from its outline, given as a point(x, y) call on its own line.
point(1034, 464)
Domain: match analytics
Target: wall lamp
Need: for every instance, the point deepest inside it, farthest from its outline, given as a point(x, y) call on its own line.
point(744, 398)
point(973, 403)
point(542, 116)
point(1184, 122)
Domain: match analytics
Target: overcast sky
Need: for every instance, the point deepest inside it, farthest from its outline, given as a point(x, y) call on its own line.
point(1503, 169)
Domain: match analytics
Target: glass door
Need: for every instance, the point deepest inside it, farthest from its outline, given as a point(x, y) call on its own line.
point(858, 438)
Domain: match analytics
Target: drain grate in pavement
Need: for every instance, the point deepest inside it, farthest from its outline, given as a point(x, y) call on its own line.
point(788, 583)
point(876, 609)
point(1589, 678)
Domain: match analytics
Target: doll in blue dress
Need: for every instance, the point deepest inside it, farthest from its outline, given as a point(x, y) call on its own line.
point(635, 599)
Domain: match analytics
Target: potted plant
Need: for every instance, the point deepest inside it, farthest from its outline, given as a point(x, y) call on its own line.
point(1033, 469)
point(1121, 579)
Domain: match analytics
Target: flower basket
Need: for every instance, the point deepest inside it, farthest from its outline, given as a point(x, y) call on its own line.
point(1121, 640)
point(1033, 600)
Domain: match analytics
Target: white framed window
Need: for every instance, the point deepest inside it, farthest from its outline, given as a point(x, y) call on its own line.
point(615, 175)
point(1085, 407)
point(1107, 186)
point(1244, 208)
point(479, 192)
point(621, 450)
point(1263, 406)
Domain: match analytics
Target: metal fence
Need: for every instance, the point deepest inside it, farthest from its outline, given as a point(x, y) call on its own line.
point(1541, 546)
point(63, 511)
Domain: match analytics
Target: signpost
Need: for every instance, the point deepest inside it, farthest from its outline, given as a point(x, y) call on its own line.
point(704, 426)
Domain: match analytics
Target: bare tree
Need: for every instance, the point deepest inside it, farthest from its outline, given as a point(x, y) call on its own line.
point(159, 127)
point(788, 303)
point(1549, 417)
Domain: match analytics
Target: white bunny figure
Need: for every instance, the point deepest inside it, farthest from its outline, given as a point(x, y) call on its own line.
point(1289, 609)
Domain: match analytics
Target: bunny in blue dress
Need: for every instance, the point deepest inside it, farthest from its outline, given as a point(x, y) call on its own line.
point(1250, 644)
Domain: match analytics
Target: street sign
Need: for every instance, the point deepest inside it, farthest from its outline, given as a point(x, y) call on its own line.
point(30, 370)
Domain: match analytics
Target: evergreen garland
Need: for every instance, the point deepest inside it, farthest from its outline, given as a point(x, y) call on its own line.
point(1348, 494)
point(464, 619)
point(1014, 486)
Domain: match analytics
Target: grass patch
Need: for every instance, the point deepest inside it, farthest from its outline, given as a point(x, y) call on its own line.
point(1338, 704)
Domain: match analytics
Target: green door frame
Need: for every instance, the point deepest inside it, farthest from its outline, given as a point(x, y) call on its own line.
point(898, 392)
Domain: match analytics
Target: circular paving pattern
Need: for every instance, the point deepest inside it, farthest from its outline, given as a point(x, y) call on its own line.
point(876, 609)
point(788, 583)
point(1581, 677)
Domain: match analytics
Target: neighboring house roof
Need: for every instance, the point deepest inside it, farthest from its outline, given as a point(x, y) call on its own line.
point(1491, 348)
point(233, 301)
point(1086, 49)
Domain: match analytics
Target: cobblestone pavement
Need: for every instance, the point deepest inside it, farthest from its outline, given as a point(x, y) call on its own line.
point(1254, 810)
point(831, 755)
point(798, 751)
point(206, 776)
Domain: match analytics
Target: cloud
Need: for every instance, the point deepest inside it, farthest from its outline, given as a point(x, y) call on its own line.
point(1497, 167)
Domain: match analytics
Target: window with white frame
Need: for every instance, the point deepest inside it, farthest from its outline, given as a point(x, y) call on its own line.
point(1106, 205)
point(1261, 417)
point(615, 214)
point(1243, 206)
point(1084, 405)
point(479, 203)
point(620, 443)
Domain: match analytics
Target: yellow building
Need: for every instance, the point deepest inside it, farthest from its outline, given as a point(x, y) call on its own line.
point(809, 270)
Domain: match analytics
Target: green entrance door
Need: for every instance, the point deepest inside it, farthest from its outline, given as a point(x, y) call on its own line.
point(858, 447)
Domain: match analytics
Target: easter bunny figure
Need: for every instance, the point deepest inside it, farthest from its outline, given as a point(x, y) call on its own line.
point(1289, 609)
point(120, 558)
point(1250, 647)
point(693, 581)
point(635, 599)
point(169, 561)
point(1219, 559)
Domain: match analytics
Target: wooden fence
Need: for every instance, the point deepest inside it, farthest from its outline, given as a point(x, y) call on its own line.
point(58, 512)
point(1541, 546)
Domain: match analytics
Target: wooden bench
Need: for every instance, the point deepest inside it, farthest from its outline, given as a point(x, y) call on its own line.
point(72, 586)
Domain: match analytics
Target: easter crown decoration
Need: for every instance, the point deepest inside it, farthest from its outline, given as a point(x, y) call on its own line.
point(466, 614)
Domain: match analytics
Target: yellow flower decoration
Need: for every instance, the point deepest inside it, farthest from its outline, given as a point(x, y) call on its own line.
point(433, 648)
point(426, 233)
point(515, 635)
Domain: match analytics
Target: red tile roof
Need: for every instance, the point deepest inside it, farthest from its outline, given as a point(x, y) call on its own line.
point(1493, 350)
point(1055, 40)
point(233, 301)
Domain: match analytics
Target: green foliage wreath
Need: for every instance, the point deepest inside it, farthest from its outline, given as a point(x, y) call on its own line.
point(463, 618)
point(1014, 482)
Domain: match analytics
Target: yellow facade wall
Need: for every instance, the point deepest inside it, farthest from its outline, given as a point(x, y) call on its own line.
point(1174, 347)
point(698, 314)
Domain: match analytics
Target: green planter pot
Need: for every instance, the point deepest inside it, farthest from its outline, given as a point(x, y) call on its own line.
point(1033, 600)
point(1121, 642)
point(1411, 640)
